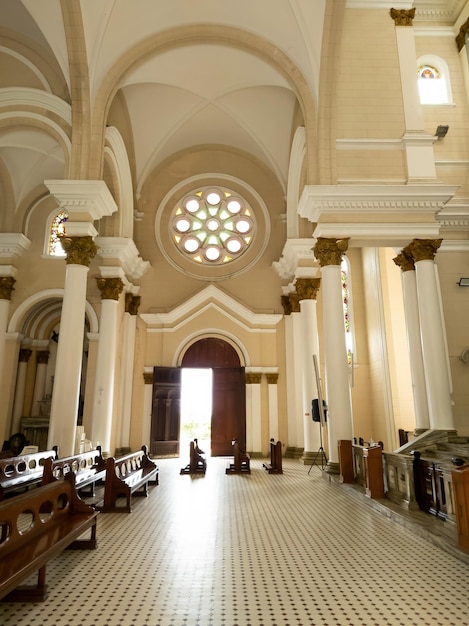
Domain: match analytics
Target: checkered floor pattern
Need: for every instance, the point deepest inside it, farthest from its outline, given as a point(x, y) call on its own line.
point(293, 549)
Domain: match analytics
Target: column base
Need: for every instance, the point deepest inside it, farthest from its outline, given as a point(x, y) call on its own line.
point(332, 467)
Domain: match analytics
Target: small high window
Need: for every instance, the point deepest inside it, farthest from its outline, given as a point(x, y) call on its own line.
point(57, 229)
point(433, 82)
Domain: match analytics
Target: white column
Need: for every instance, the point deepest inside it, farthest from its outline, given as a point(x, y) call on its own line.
point(42, 358)
point(409, 288)
point(307, 289)
point(103, 400)
point(127, 372)
point(272, 380)
point(67, 377)
point(434, 349)
point(24, 356)
point(329, 253)
point(418, 144)
point(253, 412)
point(291, 389)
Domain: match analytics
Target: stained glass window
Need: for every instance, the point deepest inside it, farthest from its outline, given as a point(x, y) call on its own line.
point(432, 86)
point(57, 229)
point(344, 271)
point(212, 225)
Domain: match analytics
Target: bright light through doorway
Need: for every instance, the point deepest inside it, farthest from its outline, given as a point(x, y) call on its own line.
point(196, 408)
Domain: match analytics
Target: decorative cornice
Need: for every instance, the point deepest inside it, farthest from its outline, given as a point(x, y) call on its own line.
point(295, 252)
point(88, 200)
point(123, 250)
point(13, 244)
point(383, 234)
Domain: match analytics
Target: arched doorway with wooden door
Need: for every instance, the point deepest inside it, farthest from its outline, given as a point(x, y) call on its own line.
point(228, 391)
point(227, 419)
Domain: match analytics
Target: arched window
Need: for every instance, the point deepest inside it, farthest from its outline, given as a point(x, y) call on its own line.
point(347, 304)
point(57, 228)
point(433, 81)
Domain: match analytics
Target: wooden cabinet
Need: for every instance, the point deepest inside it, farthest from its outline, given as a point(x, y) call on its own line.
point(460, 479)
point(373, 464)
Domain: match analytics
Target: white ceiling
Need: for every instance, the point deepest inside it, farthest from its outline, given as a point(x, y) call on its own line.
point(190, 93)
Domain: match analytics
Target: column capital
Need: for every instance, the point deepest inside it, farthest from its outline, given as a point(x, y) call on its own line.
point(286, 304)
point(253, 378)
point(132, 303)
point(110, 288)
point(42, 357)
point(6, 287)
point(404, 261)
point(307, 288)
point(402, 17)
point(423, 249)
point(148, 378)
point(272, 379)
point(329, 251)
point(79, 250)
point(461, 36)
point(294, 302)
point(24, 355)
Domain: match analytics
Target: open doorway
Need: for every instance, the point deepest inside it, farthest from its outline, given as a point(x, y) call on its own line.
point(196, 407)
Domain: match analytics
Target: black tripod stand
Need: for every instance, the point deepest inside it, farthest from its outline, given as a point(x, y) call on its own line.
point(320, 453)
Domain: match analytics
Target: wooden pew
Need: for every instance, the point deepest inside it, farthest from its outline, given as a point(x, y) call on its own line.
point(241, 462)
point(34, 528)
point(127, 475)
point(275, 465)
point(18, 473)
point(88, 467)
point(197, 464)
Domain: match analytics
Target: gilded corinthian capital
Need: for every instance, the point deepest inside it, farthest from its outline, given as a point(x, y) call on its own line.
point(307, 288)
point(404, 261)
point(110, 288)
point(330, 251)
point(79, 250)
point(424, 249)
point(403, 17)
point(6, 287)
point(132, 303)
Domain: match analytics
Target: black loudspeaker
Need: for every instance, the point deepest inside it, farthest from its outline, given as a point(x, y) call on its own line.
point(315, 410)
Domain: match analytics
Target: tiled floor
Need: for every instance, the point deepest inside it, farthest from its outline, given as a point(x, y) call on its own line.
point(261, 550)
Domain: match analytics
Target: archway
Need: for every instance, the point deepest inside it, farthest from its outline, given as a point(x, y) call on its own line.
point(229, 391)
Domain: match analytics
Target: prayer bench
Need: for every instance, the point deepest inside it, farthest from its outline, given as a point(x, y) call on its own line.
point(275, 465)
point(88, 467)
point(127, 475)
point(35, 527)
point(23, 471)
point(241, 462)
point(198, 464)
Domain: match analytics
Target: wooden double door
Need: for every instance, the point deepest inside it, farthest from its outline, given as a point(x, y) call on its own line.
point(228, 420)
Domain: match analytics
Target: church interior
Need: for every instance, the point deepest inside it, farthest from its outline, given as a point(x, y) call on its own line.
point(241, 222)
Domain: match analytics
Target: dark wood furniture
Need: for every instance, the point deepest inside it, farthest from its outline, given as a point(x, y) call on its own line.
point(34, 528)
point(275, 465)
point(373, 467)
point(127, 475)
point(19, 473)
point(346, 465)
point(197, 463)
point(88, 467)
point(241, 462)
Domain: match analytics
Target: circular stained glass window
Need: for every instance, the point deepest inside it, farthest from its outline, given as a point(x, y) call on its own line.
point(212, 226)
